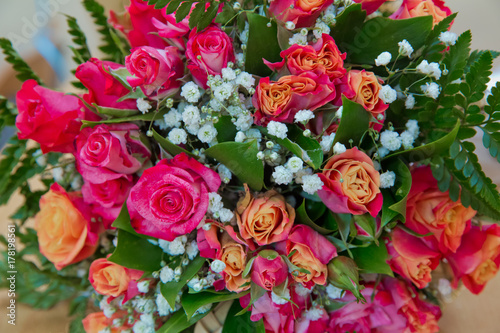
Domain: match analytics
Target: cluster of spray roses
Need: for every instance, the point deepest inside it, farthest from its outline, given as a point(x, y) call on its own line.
point(251, 239)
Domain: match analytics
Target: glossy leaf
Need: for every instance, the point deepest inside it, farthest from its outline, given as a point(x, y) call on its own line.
point(372, 259)
point(241, 159)
point(178, 322)
point(192, 302)
point(354, 123)
point(141, 117)
point(116, 113)
point(136, 253)
point(262, 44)
point(226, 131)
point(302, 217)
point(171, 289)
point(169, 147)
point(241, 323)
point(394, 206)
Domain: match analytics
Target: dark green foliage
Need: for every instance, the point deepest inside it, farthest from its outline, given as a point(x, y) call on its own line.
point(24, 72)
point(113, 46)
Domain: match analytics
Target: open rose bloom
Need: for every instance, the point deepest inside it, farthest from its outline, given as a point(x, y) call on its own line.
point(306, 161)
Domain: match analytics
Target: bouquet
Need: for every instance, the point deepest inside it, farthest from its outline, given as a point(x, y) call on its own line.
point(308, 162)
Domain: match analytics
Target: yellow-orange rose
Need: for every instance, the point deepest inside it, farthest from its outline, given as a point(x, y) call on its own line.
point(63, 231)
point(358, 192)
point(414, 8)
point(365, 88)
point(97, 322)
point(234, 256)
point(111, 279)
point(266, 218)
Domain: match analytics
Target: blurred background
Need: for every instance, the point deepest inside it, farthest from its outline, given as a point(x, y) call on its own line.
point(38, 28)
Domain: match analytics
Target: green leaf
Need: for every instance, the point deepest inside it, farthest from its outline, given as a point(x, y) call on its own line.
point(209, 15)
point(383, 34)
point(171, 289)
point(196, 14)
point(109, 46)
point(226, 16)
point(262, 44)
point(169, 147)
point(241, 159)
point(308, 149)
point(302, 217)
point(24, 72)
point(243, 323)
point(182, 11)
point(226, 131)
point(81, 52)
point(192, 302)
point(136, 253)
point(394, 206)
point(344, 32)
point(353, 124)
point(141, 117)
point(438, 147)
point(455, 59)
point(372, 259)
point(178, 322)
point(116, 113)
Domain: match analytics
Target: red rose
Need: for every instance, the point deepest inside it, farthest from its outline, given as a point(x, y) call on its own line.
point(411, 258)
point(104, 89)
point(47, 117)
point(171, 198)
point(208, 52)
point(267, 272)
point(105, 152)
point(281, 100)
point(477, 260)
point(156, 71)
point(301, 12)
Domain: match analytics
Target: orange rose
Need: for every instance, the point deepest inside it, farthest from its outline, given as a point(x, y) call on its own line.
point(266, 218)
point(301, 12)
point(430, 210)
point(364, 89)
point(358, 192)
point(415, 8)
point(63, 231)
point(111, 279)
point(234, 256)
point(97, 322)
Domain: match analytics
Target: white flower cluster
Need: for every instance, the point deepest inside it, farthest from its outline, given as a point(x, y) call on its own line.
point(280, 300)
point(405, 48)
point(198, 283)
point(387, 179)
point(392, 141)
point(448, 38)
point(383, 59)
point(431, 69)
point(216, 207)
point(431, 89)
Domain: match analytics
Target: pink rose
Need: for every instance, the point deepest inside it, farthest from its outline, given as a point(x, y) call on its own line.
point(428, 210)
point(415, 8)
point(477, 260)
point(371, 5)
point(412, 258)
point(170, 29)
point(301, 12)
point(358, 192)
point(138, 24)
point(156, 71)
point(310, 251)
point(171, 198)
point(214, 48)
point(105, 152)
point(104, 89)
point(281, 100)
point(322, 57)
point(47, 117)
point(269, 273)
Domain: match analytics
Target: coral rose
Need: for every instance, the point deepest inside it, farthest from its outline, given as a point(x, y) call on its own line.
point(477, 260)
point(269, 269)
point(65, 235)
point(156, 71)
point(371, 5)
point(411, 258)
point(171, 198)
point(111, 279)
point(104, 89)
point(208, 52)
point(363, 88)
point(430, 210)
point(310, 251)
point(97, 322)
point(301, 12)
point(105, 152)
point(415, 8)
point(264, 219)
point(322, 57)
point(47, 117)
point(281, 100)
point(358, 192)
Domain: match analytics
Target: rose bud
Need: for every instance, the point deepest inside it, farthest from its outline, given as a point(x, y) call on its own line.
point(343, 273)
point(269, 270)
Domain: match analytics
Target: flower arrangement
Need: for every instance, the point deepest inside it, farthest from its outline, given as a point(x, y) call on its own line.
point(308, 161)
